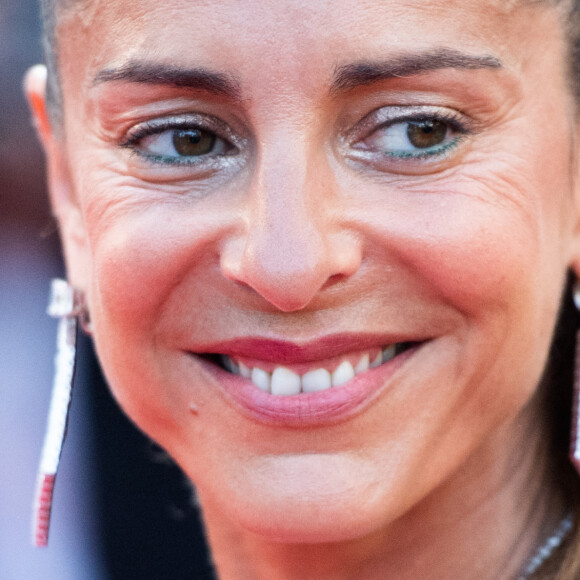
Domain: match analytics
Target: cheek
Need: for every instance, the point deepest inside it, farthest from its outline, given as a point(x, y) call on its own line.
point(454, 248)
point(141, 255)
point(469, 260)
point(492, 239)
point(489, 246)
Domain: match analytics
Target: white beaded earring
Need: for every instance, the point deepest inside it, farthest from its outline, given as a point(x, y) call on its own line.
point(66, 305)
point(575, 440)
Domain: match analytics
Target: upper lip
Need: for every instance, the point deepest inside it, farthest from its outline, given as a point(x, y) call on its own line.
point(287, 352)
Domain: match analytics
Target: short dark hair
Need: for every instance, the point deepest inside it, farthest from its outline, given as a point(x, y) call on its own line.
point(50, 13)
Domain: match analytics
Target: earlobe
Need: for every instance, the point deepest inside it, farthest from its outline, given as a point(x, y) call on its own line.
point(63, 200)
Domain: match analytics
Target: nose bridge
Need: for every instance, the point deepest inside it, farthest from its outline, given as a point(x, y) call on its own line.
point(287, 211)
point(288, 250)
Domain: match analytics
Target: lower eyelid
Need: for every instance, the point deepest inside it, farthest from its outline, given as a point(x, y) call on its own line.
point(382, 160)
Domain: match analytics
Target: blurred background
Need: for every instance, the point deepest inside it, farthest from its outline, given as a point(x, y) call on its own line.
point(122, 510)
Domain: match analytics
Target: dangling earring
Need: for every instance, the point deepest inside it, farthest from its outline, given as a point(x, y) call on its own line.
point(68, 306)
point(575, 442)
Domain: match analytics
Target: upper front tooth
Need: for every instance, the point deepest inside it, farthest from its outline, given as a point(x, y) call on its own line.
point(342, 374)
point(389, 353)
point(317, 380)
point(261, 379)
point(285, 382)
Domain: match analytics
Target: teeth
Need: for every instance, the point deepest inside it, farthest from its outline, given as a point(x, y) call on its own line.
point(245, 371)
point(363, 365)
point(342, 374)
point(318, 380)
point(283, 382)
point(261, 379)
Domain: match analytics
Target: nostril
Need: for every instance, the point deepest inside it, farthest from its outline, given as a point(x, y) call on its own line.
point(334, 279)
point(242, 284)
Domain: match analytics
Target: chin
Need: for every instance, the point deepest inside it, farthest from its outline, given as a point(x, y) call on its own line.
point(305, 528)
point(306, 522)
point(299, 506)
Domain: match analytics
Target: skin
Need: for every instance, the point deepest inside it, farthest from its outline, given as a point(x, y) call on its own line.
point(308, 230)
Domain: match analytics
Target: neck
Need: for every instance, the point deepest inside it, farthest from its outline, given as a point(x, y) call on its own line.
point(484, 522)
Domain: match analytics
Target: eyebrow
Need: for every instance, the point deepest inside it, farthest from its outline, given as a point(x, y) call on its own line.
point(357, 74)
point(345, 77)
point(200, 78)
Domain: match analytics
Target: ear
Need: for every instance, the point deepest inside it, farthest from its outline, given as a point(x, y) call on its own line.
point(64, 202)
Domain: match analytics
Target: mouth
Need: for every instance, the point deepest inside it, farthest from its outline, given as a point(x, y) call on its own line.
point(298, 373)
point(297, 385)
point(294, 379)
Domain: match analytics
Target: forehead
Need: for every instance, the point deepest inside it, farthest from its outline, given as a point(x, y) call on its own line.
point(281, 41)
point(283, 22)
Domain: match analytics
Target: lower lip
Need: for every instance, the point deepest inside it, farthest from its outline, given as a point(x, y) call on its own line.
point(306, 409)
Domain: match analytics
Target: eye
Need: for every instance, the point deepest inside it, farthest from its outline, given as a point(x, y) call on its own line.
point(181, 140)
point(426, 134)
point(412, 138)
point(180, 143)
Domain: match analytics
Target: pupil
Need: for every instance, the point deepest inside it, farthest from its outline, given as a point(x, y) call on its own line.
point(425, 134)
point(193, 142)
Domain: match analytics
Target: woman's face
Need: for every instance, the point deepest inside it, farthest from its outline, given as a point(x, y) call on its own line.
point(300, 186)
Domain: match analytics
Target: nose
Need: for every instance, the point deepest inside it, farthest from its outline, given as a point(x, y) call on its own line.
point(294, 243)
